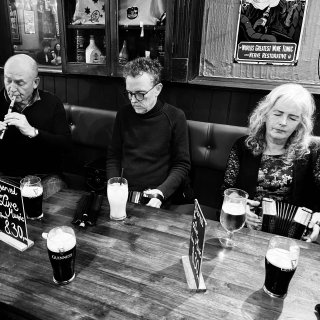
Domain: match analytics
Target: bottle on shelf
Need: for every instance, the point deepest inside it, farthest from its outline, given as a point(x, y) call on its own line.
point(161, 44)
point(123, 54)
point(153, 46)
point(80, 50)
point(27, 5)
point(93, 53)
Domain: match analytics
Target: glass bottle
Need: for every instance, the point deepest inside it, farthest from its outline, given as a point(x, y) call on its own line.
point(161, 44)
point(27, 5)
point(80, 51)
point(93, 53)
point(123, 55)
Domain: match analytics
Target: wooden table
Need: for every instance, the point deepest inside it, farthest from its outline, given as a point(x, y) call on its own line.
point(133, 270)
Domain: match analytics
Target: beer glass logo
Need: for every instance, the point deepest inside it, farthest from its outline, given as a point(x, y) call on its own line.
point(62, 256)
point(132, 13)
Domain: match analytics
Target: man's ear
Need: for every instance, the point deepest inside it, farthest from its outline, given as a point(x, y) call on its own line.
point(36, 82)
point(158, 88)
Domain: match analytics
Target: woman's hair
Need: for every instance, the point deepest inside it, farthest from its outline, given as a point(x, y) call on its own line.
point(136, 67)
point(298, 143)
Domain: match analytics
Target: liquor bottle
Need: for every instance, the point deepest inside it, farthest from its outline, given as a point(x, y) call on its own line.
point(27, 5)
point(123, 55)
point(153, 46)
point(92, 52)
point(80, 51)
point(161, 45)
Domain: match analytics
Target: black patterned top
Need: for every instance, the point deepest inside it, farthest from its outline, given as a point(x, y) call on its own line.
point(274, 178)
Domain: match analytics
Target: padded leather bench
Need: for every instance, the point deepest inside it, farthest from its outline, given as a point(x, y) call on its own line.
point(210, 144)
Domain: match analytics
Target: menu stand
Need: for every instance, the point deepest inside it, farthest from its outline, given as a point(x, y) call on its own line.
point(192, 284)
point(15, 243)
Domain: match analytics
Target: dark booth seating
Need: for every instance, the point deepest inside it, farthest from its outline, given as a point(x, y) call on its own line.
point(210, 144)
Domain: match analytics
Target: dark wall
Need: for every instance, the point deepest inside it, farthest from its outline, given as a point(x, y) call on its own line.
point(202, 103)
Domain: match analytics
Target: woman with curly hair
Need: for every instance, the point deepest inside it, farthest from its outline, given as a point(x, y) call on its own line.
point(279, 159)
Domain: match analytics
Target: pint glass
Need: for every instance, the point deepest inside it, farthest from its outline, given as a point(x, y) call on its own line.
point(61, 244)
point(281, 262)
point(117, 191)
point(32, 194)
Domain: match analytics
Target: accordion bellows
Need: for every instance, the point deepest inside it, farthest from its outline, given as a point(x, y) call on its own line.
point(284, 219)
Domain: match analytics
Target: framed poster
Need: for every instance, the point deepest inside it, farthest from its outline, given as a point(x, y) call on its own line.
point(14, 24)
point(270, 31)
point(48, 21)
point(29, 23)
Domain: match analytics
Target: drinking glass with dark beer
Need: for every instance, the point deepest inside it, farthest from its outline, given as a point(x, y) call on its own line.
point(61, 244)
point(32, 194)
point(281, 262)
point(233, 213)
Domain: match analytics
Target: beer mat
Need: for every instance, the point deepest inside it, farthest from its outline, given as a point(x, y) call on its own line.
point(82, 210)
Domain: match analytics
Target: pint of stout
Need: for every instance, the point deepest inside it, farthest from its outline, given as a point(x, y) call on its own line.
point(280, 262)
point(61, 244)
point(32, 194)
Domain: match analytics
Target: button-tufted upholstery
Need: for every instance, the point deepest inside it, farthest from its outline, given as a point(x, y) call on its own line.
point(210, 144)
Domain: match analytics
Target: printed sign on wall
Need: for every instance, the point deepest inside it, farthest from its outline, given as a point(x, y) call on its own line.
point(270, 31)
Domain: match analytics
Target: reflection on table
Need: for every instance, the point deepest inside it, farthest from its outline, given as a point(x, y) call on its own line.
point(132, 270)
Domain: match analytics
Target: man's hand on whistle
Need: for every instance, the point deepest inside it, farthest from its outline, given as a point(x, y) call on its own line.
point(20, 121)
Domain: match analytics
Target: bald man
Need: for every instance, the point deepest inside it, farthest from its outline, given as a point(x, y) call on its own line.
point(36, 131)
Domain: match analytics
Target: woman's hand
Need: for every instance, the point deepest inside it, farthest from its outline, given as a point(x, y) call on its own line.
point(252, 220)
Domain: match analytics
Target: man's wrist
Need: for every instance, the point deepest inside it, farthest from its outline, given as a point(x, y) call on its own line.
point(34, 134)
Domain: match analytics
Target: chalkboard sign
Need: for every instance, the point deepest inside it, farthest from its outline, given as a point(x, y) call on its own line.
point(13, 228)
point(197, 241)
point(192, 262)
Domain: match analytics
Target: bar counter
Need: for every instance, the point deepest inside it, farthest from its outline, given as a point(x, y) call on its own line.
point(132, 270)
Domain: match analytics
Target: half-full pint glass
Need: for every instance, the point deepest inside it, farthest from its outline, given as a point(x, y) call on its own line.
point(117, 196)
point(281, 262)
point(32, 194)
point(61, 244)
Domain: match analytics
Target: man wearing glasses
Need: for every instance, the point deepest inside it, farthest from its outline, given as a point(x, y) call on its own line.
point(150, 138)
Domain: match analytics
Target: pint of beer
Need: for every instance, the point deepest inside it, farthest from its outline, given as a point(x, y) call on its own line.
point(233, 213)
point(117, 191)
point(280, 262)
point(61, 244)
point(32, 194)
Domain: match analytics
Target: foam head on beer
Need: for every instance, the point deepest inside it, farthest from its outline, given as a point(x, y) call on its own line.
point(31, 191)
point(283, 259)
point(60, 240)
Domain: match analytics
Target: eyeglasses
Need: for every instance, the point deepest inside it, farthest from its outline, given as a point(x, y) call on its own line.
point(138, 95)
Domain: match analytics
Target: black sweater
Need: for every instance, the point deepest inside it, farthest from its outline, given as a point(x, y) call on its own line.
point(152, 148)
point(21, 155)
